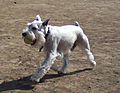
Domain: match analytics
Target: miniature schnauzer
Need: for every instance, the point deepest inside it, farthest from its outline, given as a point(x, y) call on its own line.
point(55, 41)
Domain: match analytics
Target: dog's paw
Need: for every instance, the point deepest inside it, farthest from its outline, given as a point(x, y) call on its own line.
point(93, 64)
point(37, 79)
point(62, 72)
point(34, 79)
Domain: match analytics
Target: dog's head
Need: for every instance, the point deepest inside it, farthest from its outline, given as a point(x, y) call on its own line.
point(34, 33)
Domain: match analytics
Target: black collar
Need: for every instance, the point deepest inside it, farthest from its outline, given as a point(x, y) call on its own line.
point(48, 32)
point(46, 35)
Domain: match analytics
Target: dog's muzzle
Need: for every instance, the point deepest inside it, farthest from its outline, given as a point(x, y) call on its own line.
point(28, 39)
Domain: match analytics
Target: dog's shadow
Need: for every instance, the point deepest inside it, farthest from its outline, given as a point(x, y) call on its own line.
point(25, 83)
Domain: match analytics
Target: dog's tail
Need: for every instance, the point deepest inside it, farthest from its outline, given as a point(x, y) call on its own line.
point(77, 23)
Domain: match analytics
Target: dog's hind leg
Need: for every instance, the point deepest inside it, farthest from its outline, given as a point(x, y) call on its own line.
point(86, 47)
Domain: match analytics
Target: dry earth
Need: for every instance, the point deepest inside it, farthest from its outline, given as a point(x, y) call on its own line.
point(100, 20)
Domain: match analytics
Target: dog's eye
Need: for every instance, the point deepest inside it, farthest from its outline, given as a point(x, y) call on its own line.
point(34, 28)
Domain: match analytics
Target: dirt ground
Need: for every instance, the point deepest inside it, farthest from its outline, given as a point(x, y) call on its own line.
point(100, 20)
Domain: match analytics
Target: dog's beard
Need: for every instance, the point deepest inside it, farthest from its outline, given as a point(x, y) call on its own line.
point(28, 40)
point(40, 41)
point(36, 39)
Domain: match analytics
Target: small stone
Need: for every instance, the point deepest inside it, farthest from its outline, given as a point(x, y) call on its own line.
point(15, 2)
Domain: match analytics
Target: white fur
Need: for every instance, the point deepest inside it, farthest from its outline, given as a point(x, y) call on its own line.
point(59, 43)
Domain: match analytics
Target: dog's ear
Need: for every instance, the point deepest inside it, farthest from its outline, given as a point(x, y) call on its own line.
point(38, 18)
point(45, 23)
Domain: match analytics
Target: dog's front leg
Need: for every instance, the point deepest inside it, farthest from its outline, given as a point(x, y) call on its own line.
point(63, 70)
point(49, 60)
point(46, 65)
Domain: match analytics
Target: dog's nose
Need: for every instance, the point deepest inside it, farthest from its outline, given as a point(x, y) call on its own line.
point(24, 34)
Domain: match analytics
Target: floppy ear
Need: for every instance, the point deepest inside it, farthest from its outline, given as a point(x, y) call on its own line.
point(38, 18)
point(45, 23)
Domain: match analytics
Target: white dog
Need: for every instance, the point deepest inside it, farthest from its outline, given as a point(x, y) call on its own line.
point(56, 41)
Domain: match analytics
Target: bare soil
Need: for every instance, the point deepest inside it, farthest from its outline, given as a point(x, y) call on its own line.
point(100, 20)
